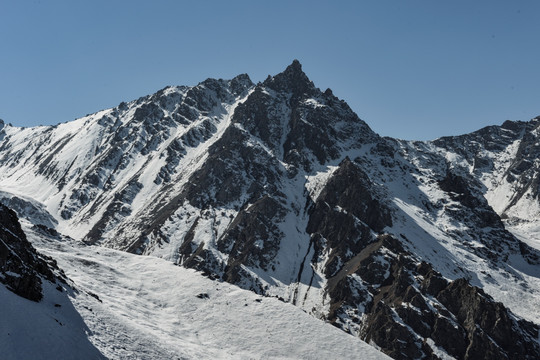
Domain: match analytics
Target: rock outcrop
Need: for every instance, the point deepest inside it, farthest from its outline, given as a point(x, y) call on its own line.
point(22, 268)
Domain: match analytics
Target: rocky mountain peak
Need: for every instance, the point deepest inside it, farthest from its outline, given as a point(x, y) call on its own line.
point(295, 65)
point(293, 79)
point(240, 83)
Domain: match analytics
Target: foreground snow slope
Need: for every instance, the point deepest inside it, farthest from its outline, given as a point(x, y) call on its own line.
point(149, 308)
point(50, 329)
point(37, 317)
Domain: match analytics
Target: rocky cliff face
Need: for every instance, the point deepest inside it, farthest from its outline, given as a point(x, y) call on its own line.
point(279, 187)
point(22, 269)
point(407, 308)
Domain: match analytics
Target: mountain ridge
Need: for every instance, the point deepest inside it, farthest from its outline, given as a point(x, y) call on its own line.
point(281, 189)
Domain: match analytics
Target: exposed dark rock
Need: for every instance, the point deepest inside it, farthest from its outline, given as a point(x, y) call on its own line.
point(412, 303)
point(253, 239)
point(260, 116)
point(433, 283)
point(351, 189)
point(239, 84)
point(459, 190)
point(22, 269)
point(395, 339)
point(345, 214)
point(232, 168)
point(203, 296)
point(451, 338)
point(293, 80)
point(488, 323)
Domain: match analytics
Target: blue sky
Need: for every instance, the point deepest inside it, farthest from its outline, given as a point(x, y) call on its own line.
point(411, 69)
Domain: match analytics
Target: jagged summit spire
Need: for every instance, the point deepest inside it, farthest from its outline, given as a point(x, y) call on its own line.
point(295, 66)
point(293, 78)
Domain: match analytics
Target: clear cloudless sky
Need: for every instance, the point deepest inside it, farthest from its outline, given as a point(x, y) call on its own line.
point(416, 69)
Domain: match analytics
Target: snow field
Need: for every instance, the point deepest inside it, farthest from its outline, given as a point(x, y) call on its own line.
point(152, 309)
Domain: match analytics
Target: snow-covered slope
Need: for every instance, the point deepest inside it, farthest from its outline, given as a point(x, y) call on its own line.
point(279, 188)
point(37, 317)
point(142, 307)
point(51, 329)
point(505, 159)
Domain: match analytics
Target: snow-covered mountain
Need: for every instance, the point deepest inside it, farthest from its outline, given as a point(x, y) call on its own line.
point(423, 249)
